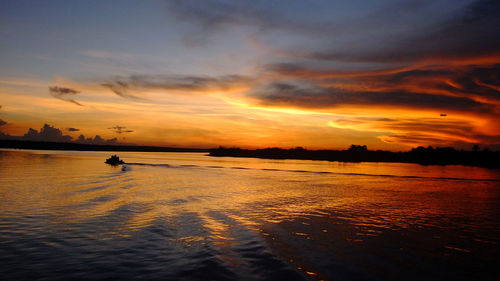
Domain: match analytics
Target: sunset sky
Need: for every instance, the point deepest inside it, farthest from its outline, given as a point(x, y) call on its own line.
point(391, 74)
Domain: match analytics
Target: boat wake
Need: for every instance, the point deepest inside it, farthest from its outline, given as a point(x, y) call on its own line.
point(125, 168)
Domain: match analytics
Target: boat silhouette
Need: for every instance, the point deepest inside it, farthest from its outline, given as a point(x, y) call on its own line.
point(114, 160)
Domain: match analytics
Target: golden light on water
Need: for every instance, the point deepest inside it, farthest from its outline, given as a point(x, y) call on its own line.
point(241, 212)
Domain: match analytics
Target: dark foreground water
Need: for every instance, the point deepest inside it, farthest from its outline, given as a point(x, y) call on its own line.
point(178, 216)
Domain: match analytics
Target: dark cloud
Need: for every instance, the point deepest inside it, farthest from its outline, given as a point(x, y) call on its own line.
point(121, 89)
point(211, 14)
point(441, 55)
point(97, 140)
point(381, 41)
point(120, 129)
point(423, 131)
point(434, 127)
point(205, 17)
point(47, 133)
point(427, 54)
point(414, 139)
point(454, 36)
point(421, 139)
point(2, 134)
point(431, 125)
point(307, 95)
point(378, 119)
point(475, 82)
point(470, 88)
point(122, 85)
point(64, 94)
point(388, 31)
point(73, 129)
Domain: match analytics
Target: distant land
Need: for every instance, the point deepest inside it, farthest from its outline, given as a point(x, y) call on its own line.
point(41, 145)
point(356, 153)
point(360, 153)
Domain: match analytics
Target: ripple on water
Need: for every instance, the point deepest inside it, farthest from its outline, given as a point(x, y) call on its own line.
point(244, 220)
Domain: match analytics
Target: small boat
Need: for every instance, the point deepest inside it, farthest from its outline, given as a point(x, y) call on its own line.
point(114, 160)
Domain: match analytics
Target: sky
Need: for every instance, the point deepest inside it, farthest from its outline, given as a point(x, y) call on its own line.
point(321, 74)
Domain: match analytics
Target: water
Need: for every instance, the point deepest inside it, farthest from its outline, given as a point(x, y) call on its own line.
point(187, 216)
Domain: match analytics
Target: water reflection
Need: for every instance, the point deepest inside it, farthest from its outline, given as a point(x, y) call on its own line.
point(201, 218)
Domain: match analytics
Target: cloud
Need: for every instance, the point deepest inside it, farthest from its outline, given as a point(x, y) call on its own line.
point(423, 58)
point(212, 14)
point(73, 129)
point(64, 94)
point(121, 89)
point(120, 129)
point(50, 133)
point(381, 53)
point(466, 90)
point(378, 31)
point(2, 134)
point(47, 133)
point(204, 17)
point(415, 140)
point(97, 140)
point(187, 83)
point(437, 131)
point(304, 94)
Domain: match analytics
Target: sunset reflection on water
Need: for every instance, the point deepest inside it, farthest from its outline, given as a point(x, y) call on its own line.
point(247, 219)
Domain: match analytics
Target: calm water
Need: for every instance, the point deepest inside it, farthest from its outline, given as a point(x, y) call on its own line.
point(186, 216)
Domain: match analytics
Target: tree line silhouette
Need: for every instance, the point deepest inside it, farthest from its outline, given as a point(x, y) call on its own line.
point(360, 153)
point(44, 145)
point(356, 153)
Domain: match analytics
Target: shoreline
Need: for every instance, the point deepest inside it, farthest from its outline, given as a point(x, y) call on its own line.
point(355, 154)
point(358, 154)
point(39, 145)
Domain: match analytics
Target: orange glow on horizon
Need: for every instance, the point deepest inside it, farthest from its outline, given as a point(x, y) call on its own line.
point(229, 116)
